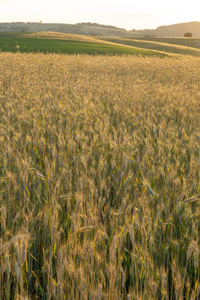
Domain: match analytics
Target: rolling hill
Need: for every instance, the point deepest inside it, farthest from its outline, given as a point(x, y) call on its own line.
point(167, 45)
point(175, 30)
point(54, 42)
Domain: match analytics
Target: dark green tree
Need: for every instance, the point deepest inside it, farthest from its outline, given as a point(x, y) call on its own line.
point(188, 34)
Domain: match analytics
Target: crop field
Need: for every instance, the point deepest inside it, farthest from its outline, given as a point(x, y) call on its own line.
point(160, 44)
point(187, 42)
point(48, 42)
point(63, 43)
point(99, 177)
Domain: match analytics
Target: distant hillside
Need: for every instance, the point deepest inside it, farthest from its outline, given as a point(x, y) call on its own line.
point(80, 28)
point(179, 29)
point(100, 25)
point(176, 30)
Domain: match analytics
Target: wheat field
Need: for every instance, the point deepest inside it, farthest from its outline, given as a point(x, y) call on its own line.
point(99, 177)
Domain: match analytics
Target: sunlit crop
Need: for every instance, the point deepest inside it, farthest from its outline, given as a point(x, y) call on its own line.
point(99, 177)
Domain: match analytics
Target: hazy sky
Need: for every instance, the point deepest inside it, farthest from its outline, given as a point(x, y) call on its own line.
point(129, 14)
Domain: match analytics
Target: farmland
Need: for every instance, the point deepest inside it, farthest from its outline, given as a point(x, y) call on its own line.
point(66, 44)
point(167, 45)
point(99, 176)
point(63, 43)
point(187, 42)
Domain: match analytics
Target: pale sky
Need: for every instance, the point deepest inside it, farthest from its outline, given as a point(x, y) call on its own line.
point(128, 14)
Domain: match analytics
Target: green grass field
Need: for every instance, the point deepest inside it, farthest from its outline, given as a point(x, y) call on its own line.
point(11, 33)
point(29, 44)
point(48, 42)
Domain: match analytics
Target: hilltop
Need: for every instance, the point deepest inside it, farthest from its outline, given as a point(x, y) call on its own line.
point(79, 28)
point(175, 30)
point(95, 29)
